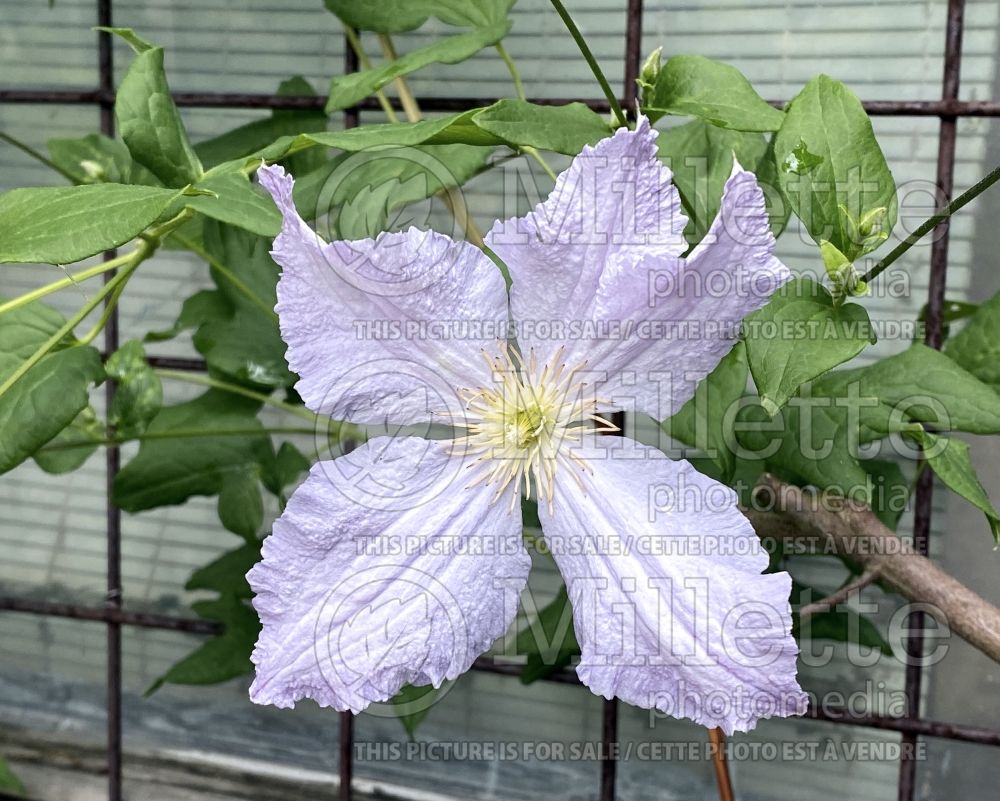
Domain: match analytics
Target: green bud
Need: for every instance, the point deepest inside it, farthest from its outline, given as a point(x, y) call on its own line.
point(866, 234)
point(845, 280)
point(651, 67)
point(648, 76)
point(872, 222)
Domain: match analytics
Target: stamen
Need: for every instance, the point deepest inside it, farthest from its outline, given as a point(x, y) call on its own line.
point(524, 424)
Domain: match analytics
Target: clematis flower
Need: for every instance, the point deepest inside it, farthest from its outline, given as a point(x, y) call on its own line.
point(403, 561)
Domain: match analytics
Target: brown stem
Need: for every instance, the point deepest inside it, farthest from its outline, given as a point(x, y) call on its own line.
point(831, 524)
point(841, 595)
point(718, 741)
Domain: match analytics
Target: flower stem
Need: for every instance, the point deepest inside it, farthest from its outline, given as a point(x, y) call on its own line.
point(538, 157)
point(341, 427)
point(932, 222)
point(410, 107)
point(355, 42)
point(140, 254)
point(226, 273)
point(450, 196)
point(75, 278)
point(148, 242)
point(179, 434)
point(25, 148)
point(512, 68)
point(109, 307)
point(588, 56)
point(519, 89)
point(236, 389)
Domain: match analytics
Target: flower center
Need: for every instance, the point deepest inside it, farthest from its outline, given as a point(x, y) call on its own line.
point(522, 423)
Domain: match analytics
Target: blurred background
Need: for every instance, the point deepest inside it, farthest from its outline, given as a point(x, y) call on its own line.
point(211, 743)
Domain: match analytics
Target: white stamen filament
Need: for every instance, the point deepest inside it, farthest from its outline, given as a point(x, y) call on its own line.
point(522, 422)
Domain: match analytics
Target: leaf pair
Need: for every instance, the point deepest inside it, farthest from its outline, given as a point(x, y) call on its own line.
point(51, 395)
point(488, 20)
point(824, 158)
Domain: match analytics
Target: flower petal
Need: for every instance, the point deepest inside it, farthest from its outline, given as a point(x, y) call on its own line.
point(383, 570)
point(669, 604)
point(384, 328)
point(649, 324)
point(615, 201)
point(686, 313)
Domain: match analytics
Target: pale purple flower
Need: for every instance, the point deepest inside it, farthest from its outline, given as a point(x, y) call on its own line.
point(403, 561)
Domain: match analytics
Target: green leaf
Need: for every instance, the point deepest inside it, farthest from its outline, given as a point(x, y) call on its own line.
point(455, 129)
point(150, 123)
point(395, 16)
point(827, 157)
point(696, 86)
point(815, 450)
point(139, 394)
point(701, 159)
point(62, 225)
point(246, 349)
point(137, 43)
point(313, 188)
point(227, 574)
point(529, 513)
point(458, 129)
point(919, 385)
point(949, 459)
point(9, 783)
point(778, 207)
point(249, 258)
point(169, 470)
point(56, 457)
point(96, 158)
point(815, 439)
point(703, 422)
point(413, 704)
point(365, 194)
point(562, 129)
point(51, 394)
point(243, 345)
point(199, 308)
point(223, 657)
point(538, 130)
point(241, 508)
point(549, 641)
point(891, 490)
point(311, 120)
point(977, 346)
point(239, 202)
point(952, 311)
point(244, 140)
point(288, 465)
point(837, 626)
point(799, 335)
point(348, 90)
